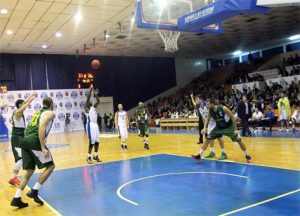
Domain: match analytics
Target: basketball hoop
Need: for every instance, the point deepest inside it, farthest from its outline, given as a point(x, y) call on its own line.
point(170, 40)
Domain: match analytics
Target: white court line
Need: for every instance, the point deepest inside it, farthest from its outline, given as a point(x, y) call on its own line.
point(167, 174)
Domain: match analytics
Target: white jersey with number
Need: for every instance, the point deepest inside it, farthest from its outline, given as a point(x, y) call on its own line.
point(203, 112)
point(20, 123)
point(122, 118)
point(92, 115)
point(92, 126)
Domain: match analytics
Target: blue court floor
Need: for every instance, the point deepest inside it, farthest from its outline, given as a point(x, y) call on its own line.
point(173, 185)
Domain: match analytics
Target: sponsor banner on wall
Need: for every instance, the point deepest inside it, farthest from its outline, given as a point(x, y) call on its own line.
point(66, 101)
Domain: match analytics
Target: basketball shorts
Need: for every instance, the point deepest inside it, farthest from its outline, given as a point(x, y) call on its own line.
point(93, 132)
point(123, 132)
point(32, 154)
point(16, 142)
point(144, 129)
point(283, 115)
point(219, 132)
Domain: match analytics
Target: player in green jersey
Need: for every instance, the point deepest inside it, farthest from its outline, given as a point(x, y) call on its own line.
point(142, 118)
point(35, 153)
point(225, 125)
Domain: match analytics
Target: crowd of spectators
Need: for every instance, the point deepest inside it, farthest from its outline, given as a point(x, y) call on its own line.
point(262, 101)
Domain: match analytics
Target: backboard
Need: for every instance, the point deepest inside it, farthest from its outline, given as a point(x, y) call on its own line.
point(164, 14)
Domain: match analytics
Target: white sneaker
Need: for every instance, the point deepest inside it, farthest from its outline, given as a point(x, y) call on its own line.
point(281, 129)
point(287, 130)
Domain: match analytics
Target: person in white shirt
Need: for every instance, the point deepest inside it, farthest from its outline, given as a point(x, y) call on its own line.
point(296, 118)
point(122, 125)
point(257, 117)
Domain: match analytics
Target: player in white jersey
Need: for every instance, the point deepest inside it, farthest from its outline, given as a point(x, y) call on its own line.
point(203, 112)
point(122, 125)
point(18, 128)
point(92, 126)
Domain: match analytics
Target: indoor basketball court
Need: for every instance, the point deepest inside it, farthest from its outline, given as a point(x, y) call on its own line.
point(150, 107)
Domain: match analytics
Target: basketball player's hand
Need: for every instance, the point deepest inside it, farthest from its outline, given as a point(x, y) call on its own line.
point(33, 95)
point(192, 95)
point(204, 131)
point(45, 152)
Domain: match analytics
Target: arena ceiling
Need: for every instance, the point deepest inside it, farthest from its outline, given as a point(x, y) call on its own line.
point(34, 23)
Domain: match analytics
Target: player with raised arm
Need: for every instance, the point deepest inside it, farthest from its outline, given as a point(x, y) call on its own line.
point(92, 126)
point(17, 134)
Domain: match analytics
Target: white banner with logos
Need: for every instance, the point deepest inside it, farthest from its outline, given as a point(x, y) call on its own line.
point(267, 74)
point(284, 81)
point(65, 101)
point(258, 84)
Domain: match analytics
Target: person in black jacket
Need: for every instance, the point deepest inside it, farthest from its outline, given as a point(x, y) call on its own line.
point(244, 113)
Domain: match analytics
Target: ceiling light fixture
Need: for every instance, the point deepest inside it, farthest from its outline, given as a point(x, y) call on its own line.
point(58, 34)
point(3, 11)
point(9, 32)
point(44, 46)
point(238, 52)
point(294, 37)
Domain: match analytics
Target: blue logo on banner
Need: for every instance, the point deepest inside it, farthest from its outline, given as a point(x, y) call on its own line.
point(82, 104)
point(76, 116)
point(26, 95)
point(74, 94)
point(37, 107)
point(10, 97)
point(43, 95)
point(68, 106)
point(54, 106)
point(57, 125)
point(19, 95)
point(61, 117)
point(59, 95)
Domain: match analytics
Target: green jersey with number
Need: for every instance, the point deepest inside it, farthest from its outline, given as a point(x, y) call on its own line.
point(222, 120)
point(142, 115)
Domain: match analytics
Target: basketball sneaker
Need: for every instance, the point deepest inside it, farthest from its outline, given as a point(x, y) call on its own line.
point(146, 146)
point(126, 148)
point(223, 156)
point(14, 181)
point(89, 160)
point(96, 158)
point(17, 202)
point(122, 147)
point(34, 195)
point(210, 155)
point(197, 157)
point(248, 158)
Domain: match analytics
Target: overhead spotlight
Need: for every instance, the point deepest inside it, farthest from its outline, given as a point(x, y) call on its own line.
point(44, 46)
point(238, 52)
point(78, 17)
point(9, 32)
point(106, 35)
point(294, 37)
point(3, 11)
point(58, 34)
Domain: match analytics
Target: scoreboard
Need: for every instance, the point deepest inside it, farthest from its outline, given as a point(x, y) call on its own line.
point(85, 80)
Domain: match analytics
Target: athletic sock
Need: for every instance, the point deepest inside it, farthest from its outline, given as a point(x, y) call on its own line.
point(201, 151)
point(212, 149)
point(89, 155)
point(223, 150)
point(95, 154)
point(37, 186)
point(18, 193)
point(245, 152)
point(13, 175)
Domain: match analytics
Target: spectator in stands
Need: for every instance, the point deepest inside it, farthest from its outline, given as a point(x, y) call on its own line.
point(105, 118)
point(257, 118)
point(284, 111)
point(244, 113)
point(296, 118)
point(270, 118)
point(256, 104)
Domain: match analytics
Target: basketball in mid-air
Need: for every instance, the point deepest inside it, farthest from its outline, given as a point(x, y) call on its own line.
point(96, 64)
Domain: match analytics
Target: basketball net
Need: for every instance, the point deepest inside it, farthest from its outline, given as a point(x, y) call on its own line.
point(170, 39)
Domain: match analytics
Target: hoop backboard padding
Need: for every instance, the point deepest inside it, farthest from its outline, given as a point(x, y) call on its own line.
point(164, 14)
point(219, 10)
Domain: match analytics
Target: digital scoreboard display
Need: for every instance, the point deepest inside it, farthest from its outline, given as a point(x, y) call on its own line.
point(85, 80)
